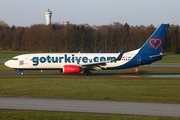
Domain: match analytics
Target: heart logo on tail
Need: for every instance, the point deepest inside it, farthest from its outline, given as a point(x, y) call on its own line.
point(155, 43)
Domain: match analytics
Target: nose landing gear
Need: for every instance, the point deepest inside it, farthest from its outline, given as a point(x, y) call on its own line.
point(19, 70)
point(22, 73)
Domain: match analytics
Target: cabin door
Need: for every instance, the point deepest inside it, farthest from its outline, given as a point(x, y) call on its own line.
point(138, 59)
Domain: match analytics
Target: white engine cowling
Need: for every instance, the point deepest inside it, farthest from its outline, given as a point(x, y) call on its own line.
point(71, 69)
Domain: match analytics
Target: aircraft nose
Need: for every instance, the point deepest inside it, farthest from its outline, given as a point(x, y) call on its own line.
point(8, 63)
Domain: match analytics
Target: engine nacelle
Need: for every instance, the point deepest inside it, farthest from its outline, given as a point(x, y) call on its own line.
point(71, 69)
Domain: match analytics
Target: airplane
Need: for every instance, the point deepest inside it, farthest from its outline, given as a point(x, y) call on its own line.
point(74, 63)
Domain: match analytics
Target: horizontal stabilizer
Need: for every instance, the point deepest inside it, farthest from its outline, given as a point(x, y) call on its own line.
point(160, 55)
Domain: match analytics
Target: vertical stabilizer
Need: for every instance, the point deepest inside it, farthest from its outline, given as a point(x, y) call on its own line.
point(153, 45)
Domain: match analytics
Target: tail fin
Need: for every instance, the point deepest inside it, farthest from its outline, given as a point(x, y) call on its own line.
point(153, 45)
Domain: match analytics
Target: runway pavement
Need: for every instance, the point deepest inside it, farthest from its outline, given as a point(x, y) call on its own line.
point(2, 61)
point(162, 75)
point(90, 106)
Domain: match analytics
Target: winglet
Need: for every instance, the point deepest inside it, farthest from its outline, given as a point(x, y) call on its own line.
point(120, 55)
point(101, 51)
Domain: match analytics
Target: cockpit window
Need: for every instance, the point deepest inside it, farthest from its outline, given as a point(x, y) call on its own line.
point(14, 58)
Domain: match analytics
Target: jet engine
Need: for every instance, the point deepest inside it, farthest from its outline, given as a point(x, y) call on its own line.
point(71, 69)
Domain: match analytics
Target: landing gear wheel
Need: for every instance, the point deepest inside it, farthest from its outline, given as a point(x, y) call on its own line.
point(87, 72)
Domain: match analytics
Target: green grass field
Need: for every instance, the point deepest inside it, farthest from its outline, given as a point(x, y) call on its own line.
point(6, 55)
point(102, 85)
point(43, 115)
point(93, 88)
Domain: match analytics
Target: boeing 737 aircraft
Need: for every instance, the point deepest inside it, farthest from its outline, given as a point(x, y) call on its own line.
point(73, 63)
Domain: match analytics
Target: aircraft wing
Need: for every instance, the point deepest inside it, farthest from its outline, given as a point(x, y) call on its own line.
point(97, 66)
point(100, 65)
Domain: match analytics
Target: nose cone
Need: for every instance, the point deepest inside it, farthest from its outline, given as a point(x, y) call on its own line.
point(8, 63)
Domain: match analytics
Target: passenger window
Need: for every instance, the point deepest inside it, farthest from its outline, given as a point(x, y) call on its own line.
point(14, 58)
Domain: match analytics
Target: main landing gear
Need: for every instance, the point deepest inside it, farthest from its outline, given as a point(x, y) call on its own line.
point(87, 72)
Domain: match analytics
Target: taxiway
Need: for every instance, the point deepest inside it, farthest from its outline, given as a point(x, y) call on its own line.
point(90, 106)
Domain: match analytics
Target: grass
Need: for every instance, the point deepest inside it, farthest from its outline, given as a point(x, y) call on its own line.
point(43, 115)
point(93, 88)
point(102, 85)
point(5, 55)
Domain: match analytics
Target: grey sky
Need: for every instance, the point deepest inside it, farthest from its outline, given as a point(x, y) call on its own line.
point(92, 12)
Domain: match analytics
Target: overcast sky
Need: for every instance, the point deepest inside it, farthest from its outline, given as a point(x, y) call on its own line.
point(92, 12)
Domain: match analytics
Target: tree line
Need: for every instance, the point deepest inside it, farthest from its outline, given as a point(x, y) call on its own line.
point(82, 38)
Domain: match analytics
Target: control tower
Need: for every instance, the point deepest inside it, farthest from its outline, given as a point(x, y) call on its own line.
point(48, 15)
